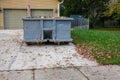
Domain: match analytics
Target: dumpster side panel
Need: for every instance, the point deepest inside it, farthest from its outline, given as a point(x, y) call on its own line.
point(63, 30)
point(32, 31)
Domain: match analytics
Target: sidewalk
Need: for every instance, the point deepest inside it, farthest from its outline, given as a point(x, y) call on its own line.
point(111, 72)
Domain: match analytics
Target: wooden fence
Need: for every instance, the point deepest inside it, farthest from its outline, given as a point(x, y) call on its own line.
point(81, 23)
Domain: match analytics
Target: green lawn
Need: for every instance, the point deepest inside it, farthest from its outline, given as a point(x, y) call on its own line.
point(104, 46)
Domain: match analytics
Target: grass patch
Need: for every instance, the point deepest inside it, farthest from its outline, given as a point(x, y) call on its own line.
point(104, 46)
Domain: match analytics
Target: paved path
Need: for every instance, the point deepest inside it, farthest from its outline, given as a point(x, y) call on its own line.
point(21, 62)
point(15, 55)
point(76, 73)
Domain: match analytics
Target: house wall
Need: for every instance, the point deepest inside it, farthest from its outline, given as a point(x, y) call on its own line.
point(40, 4)
point(22, 4)
point(1, 20)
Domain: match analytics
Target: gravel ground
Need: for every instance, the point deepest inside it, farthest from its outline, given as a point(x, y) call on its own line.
point(16, 55)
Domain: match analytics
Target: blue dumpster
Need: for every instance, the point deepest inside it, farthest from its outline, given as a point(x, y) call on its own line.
point(47, 29)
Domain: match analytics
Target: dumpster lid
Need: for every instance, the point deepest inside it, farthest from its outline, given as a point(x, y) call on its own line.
point(48, 19)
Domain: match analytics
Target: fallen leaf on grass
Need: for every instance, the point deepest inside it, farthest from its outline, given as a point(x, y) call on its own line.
point(84, 53)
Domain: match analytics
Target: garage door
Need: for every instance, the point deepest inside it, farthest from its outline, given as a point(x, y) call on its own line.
point(13, 19)
point(42, 12)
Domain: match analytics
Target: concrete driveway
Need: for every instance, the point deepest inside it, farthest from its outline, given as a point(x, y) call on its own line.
point(47, 62)
point(16, 55)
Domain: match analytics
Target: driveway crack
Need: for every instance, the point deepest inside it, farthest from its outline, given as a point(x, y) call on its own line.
point(15, 57)
point(82, 73)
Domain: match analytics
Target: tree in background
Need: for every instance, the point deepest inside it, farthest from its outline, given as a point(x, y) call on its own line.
point(71, 7)
point(91, 9)
point(113, 11)
point(94, 9)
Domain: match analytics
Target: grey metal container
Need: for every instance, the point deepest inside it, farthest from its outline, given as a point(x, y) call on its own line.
point(44, 29)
